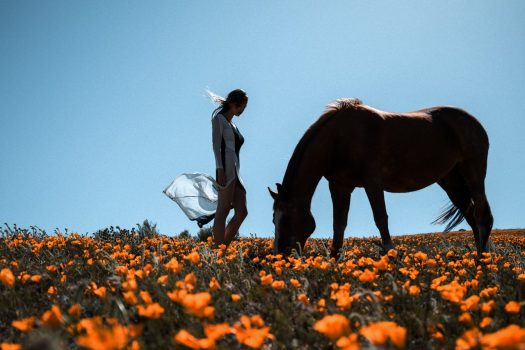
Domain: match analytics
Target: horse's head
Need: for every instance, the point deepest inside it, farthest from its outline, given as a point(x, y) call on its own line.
point(293, 222)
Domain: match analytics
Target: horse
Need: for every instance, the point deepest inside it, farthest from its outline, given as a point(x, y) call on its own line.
point(355, 145)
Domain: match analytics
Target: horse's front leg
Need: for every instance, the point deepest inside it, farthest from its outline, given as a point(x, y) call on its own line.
point(341, 203)
point(376, 197)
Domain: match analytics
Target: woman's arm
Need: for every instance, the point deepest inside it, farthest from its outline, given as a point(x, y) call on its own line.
point(217, 129)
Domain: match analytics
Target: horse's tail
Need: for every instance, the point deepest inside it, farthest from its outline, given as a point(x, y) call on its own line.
point(451, 215)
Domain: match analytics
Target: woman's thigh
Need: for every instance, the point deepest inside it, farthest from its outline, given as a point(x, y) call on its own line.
point(239, 197)
point(226, 198)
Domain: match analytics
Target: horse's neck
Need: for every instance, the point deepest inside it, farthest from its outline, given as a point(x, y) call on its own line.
point(306, 170)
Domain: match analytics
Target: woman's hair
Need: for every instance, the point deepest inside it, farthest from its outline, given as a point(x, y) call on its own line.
point(237, 97)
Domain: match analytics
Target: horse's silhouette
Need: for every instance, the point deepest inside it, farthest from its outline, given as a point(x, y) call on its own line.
point(354, 145)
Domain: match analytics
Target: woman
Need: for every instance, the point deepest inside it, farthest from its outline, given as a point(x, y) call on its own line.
point(227, 142)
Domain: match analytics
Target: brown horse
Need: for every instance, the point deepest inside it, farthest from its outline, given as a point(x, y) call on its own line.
point(354, 145)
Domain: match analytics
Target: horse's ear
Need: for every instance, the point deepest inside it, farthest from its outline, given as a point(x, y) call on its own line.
point(279, 188)
point(273, 194)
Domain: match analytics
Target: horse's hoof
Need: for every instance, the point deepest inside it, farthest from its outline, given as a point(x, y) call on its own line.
point(386, 248)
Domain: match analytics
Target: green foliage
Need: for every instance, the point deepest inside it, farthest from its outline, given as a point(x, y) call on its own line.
point(185, 234)
point(204, 233)
point(147, 229)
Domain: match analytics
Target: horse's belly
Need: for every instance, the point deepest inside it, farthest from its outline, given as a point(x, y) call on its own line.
point(412, 176)
point(406, 185)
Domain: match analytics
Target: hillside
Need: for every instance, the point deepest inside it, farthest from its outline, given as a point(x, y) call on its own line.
point(124, 291)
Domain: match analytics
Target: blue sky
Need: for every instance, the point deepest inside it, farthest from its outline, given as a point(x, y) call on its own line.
point(102, 103)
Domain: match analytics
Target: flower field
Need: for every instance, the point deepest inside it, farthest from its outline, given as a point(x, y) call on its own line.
point(127, 291)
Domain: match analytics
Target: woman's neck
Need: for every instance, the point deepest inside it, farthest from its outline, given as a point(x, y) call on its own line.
point(228, 115)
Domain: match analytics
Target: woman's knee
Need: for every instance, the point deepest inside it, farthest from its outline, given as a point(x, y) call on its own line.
point(242, 212)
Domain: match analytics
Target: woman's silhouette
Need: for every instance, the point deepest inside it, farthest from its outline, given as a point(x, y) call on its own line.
point(227, 142)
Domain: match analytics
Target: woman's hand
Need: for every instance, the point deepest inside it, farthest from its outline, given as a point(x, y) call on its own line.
point(221, 177)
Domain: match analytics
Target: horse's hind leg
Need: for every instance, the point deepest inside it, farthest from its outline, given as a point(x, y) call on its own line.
point(341, 203)
point(474, 175)
point(456, 188)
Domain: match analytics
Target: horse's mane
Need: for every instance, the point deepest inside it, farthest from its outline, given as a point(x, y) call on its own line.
point(313, 130)
point(344, 103)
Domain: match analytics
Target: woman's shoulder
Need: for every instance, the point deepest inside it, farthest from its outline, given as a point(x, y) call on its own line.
point(220, 117)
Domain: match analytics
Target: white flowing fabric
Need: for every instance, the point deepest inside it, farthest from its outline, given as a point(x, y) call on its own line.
point(196, 194)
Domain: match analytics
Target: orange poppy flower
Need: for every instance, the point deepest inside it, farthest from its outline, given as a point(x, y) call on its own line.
point(333, 326)
point(214, 284)
point(469, 340)
point(421, 256)
point(471, 303)
point(194, 257)
point(151, 310)
point(488, 292)
point(24, 277)
point(100, 337)
point(185, 338)
point(303, 299)
point(485, 322)
point(321, 304)
point(350, 342)
point(266, 279)
point(392, 253)
point(174, 266)
point(190, 279)
point(52, 317)
point(216, 331)
point(10, 346)
point(197, 304)
point(250, 336)
point(236, 297)
point(146, 297)
point(431, 263)
point(135, 345)
point(452, 292)
point(100, 292)
point(437, 281)
point(36, 278)
point(74, 311)
point(465, 318)
point(130, 284)
point(488, 306)
point(379, 333)
point(278, 285)
point(382, 264)
point(295, 283)
point(130, 297)
point(367, 276)
point(24, 325)
point(414, 290)
point(511, 337)
point(512, 307)
point(162, 279)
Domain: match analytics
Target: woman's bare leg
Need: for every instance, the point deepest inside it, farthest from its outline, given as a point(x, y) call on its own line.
point(241, 212)
point(224, 202)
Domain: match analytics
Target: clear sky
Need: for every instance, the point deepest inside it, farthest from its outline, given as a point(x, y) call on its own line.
point(102, 103)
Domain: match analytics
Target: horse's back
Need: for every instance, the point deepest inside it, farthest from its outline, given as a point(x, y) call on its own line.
point(411, 150)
